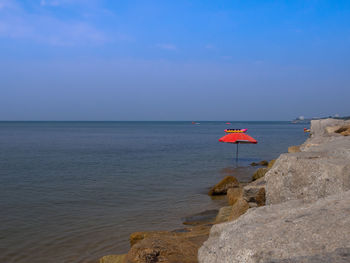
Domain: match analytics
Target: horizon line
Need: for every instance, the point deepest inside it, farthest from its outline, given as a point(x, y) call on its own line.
point(138, 120)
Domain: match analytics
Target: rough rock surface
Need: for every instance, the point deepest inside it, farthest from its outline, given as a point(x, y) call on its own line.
point(138, 236)
point(238, 209)
point(260, 173)
point(343, 130)
point(340, 255)
point(294, 149)
point(261, 163)
point(321, 131)
point(222, 187)
point(271, 163)
point(170, 247)
point(255, 192)
point(322, 168)
point(307, 218)
point(112, 259)
point(233, 194)
point(306, 175)
point(163, 249)
point(224, 214)
point(318, 127)
point(286, 231)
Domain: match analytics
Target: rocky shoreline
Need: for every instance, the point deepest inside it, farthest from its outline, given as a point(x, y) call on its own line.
point(307, 212)
point(296, 209)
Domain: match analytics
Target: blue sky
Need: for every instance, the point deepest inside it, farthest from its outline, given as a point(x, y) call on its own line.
point(173, 60)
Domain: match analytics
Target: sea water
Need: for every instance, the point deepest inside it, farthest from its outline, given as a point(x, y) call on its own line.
point(75, 191)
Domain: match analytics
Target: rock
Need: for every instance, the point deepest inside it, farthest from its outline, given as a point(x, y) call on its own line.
point(224, 214)
point(255, 193)
point(345, 133)
point(318, 127)
point(252, 204)
point(294, 149)
point(271, 163)
point(308, 175)
point(340, 255)
point(319, 133)
point(233, 194)
point(138, 236)
point(259, 173)
point(322, 168)
point(344, 130)
point(165, 249)
point(260, 197)
point(201, 218)
point(263, 163)
point(113, 259)
point(169, 247)
point(222, 187)
point(283, 233)
point(238, 209)
point(332, 129)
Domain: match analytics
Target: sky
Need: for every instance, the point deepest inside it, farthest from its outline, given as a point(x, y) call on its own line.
point(174, 60)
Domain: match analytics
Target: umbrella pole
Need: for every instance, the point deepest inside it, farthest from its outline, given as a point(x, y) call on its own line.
point(237, 154)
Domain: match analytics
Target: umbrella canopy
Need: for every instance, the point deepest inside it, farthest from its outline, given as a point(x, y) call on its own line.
point(237, 137)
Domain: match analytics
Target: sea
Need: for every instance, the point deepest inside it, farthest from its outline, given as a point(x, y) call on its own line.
point(75, 191)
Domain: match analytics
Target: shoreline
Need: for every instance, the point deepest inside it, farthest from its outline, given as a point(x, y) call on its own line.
point(196, 227)
point(169, 246)
point(306, 217)
point(103, 194)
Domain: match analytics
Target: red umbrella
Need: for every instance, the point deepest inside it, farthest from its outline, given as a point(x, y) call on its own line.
point(237, 137)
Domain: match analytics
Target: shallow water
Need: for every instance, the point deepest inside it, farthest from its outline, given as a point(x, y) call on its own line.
point(74, 191)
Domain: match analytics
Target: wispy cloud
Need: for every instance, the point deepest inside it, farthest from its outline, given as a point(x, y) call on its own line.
point(167, 46)
point(18, 23)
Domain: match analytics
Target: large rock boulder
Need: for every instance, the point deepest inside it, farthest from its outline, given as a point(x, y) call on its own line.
point(165, 249)
point(321, 128)
point(113, 259)
point(222, 187)
point(283, 233)
point(254, 193)
point(138, 236)
point(233, 194)
point(259, 173)
point(323, 131)
point(310, 175)
point(169, 247)
point(238, 209)
point(261, 163)
point(322, 167)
